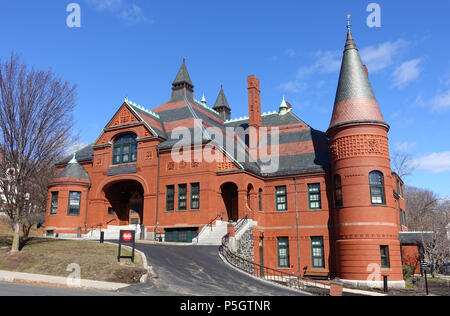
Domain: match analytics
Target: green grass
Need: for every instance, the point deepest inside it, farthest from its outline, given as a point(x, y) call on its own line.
point(53, 256)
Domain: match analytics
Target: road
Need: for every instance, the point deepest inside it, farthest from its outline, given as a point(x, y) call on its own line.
point(180, 270)
point(198, 271)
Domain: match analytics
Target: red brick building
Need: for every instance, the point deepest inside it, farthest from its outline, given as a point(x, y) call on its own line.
point(329, 205)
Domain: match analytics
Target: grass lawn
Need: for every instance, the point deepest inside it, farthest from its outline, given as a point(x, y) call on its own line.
point(52, 257)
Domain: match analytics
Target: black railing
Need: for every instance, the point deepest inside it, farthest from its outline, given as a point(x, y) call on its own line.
point(280, 277)
point(241, 223)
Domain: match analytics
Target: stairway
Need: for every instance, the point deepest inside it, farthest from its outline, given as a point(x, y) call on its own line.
point(212, 235)
point(112, 232)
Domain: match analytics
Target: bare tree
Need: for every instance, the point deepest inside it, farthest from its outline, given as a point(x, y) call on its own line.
point(402, 163)
point(429, 215)
point(36, 109)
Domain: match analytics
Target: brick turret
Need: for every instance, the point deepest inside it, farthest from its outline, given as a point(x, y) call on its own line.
point(365, 217)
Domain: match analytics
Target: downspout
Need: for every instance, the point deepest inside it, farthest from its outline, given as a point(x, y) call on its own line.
point(157, 192)
point(298, 237)
point(87, 205)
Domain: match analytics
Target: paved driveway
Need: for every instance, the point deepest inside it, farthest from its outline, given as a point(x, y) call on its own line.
point(198, 271)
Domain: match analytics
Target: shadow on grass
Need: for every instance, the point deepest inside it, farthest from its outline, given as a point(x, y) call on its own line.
point(6, 241)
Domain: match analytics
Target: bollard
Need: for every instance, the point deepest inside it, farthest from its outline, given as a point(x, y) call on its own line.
point(102, 237)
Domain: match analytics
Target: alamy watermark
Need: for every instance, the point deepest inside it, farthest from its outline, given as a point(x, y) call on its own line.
point(74, 278)
point(74, 17)
point(374, 18)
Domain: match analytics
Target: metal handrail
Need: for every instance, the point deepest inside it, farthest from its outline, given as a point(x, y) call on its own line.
point(241, 223)
point(270, 274)
point(210, 224)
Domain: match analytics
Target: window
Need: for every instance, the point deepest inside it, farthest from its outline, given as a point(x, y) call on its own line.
point(315, 202)
point(260, 200)
point(170, 198)
point(182, 197)
point(283, 252)
point(377, 188)
point(125, 149)
point(54, 204)
point(111, 211)
point(338, 191)
point(384, 251)
point(401, 217)
point(317, 253)
point(281, 198)
point(74, 203)
point(195, 196)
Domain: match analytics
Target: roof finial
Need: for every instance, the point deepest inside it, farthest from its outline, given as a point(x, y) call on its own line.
point(203, 100)
point(348, 21)
point(74, 159)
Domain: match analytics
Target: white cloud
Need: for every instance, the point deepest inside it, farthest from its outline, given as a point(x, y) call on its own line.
point(441, 101)
point(293, 86)
point(326, 62)
point(131, 13)
point(405, 146)
point(290, 52)
point(406, 73)
point(381, 56)
point(435, 162)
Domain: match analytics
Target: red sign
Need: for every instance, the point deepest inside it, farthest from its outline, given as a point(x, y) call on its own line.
point(127, 236)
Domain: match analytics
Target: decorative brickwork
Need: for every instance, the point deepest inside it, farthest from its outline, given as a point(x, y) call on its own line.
point(359, 146)
point(123, 117)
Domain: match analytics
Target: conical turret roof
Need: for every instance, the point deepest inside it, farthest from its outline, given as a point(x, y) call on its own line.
point(183, 75)
point(221, 101)
point(355, 101)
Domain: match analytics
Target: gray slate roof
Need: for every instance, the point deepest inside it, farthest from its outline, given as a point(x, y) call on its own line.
point(73, 170)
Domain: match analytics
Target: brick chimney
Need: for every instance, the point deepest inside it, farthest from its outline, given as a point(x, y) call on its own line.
point(254, 111)
point(254, 102)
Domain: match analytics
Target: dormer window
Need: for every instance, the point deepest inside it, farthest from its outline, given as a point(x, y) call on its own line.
point(125, 149)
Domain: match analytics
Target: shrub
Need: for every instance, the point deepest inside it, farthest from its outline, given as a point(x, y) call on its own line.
point(408, 271)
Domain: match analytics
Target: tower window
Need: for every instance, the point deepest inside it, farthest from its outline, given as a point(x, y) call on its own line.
point(125, 149)
point(54, 203)
point(74, 203)
point(260, 200)
point(338, 191)
point(377, 188)
point(384, 251)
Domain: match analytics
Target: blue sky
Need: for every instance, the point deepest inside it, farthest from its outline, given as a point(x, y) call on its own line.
point(136, 47)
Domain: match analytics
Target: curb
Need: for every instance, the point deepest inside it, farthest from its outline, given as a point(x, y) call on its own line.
point(47, 280)
point(149, 269)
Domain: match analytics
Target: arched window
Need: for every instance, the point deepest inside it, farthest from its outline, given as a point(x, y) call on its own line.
point(125, 149)
point(338, 191)
point(377, 188)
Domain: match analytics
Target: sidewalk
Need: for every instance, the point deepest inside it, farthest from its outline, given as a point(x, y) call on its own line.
point(46, 280)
